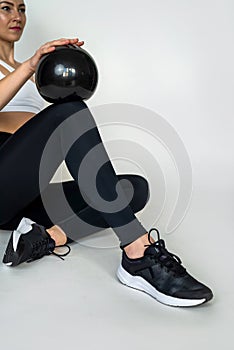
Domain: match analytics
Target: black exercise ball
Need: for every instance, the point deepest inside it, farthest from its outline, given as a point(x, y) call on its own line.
point(68, 73)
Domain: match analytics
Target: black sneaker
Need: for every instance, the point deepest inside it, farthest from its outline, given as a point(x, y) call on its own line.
point(160, 274)
point(29, 242)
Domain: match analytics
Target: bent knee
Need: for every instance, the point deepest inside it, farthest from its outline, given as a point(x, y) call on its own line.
point(141, 191)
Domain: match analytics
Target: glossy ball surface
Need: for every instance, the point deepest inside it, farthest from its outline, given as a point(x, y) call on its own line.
point(66, 74)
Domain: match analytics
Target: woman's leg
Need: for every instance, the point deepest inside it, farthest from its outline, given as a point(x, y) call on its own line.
point(155, 271)
point(36, 211)
point(20, 160)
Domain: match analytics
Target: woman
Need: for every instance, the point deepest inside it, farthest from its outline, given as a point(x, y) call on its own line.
point(25, 128)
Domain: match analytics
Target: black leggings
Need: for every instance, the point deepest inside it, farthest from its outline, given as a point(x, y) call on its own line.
point(23, 193)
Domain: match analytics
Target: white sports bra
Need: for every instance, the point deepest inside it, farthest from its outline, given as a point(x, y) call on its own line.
point(27, 98)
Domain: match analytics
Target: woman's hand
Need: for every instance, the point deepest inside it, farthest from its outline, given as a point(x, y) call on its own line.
point(50, 47)
point(14, 81)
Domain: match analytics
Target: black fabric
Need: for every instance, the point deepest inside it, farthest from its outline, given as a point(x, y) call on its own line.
point(20, 156)
point(4, 136)
point(36, 211)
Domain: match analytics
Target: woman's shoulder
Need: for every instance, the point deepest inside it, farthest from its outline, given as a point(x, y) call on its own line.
point(3, 70)
point(7, 68)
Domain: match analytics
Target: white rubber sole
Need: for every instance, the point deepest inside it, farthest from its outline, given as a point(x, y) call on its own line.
point(141, 284)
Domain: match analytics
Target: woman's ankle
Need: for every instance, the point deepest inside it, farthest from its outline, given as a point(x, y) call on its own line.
point(137, 248)
point(58, 235)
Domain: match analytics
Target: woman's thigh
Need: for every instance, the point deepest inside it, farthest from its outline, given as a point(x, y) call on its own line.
point(20, 158)
point(36, 210)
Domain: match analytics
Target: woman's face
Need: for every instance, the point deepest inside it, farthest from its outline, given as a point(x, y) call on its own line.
point(12, 20)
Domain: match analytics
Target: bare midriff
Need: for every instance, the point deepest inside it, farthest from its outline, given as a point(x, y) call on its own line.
point(11, 121)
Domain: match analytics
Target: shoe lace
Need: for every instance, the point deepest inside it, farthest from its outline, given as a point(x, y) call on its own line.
point(171, 261)
point(43, 247)
point(63, 254)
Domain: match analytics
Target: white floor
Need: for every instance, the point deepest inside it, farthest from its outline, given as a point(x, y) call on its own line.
point(79, 303)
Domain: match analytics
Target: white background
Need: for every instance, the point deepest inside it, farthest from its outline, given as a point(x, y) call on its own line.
point(175, 58)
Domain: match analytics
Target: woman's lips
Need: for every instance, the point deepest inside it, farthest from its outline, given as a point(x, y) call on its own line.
point(17, 29)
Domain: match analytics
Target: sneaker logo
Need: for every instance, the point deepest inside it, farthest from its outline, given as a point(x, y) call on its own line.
point(24, 226)
point(16, 237)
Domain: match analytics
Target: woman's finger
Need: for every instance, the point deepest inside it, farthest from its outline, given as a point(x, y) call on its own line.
point(80, 43)
point(50, 47)
point(61, 41)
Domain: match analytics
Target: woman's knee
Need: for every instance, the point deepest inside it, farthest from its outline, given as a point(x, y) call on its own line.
point(63, 110)
point(141, 191)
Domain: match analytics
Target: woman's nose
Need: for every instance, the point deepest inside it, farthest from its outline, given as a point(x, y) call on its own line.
point(16, 16)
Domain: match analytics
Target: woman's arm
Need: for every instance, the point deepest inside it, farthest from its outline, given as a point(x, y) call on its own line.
point(13, 82)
